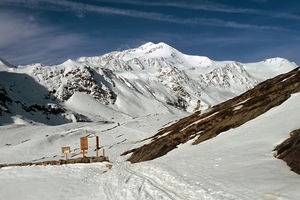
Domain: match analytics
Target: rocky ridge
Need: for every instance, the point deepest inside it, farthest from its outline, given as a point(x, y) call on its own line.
point(199, 127)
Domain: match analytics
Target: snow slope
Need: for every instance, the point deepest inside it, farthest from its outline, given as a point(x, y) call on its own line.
point(238, 164)
point(4, 65)
point(36, 142)
point(150, 79)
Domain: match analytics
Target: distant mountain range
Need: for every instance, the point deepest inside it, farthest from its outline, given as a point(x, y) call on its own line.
point(150, 79)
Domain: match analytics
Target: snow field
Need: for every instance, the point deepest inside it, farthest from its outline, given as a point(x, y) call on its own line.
point(78, 181)
point(240, 163)
point(237, 164)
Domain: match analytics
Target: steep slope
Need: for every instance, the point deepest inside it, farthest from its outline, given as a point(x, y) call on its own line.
point(222, 117)
point(4, 65)
point(237, 164)
point(23, 100)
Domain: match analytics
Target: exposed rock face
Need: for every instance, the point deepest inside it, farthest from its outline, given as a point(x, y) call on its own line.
point(63, 82)
point(4, 100)
point(289, 151)
point(227, 76)
point(24, 99)
point(220, 118)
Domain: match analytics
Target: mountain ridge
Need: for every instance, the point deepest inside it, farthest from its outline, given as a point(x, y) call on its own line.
point(149, 79)
point(220, 118)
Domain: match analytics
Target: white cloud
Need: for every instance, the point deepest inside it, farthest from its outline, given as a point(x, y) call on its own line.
point(209, 6)
point(23, 40)
point(14, 29)
point(200, 5)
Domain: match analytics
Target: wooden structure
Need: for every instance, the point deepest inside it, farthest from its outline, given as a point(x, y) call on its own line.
point(84, 145)
point(66, 151)
point(97, 146)
point(60, 162)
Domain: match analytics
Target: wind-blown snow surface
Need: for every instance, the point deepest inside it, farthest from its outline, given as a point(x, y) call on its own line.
point(238, 164)
point(150, 79)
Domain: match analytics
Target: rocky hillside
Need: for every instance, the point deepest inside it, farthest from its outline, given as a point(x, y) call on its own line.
point(199, 127)
point(150, 79)
point(22, 100)
point(289, 151)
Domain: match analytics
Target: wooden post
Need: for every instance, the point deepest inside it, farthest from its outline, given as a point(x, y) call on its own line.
point(103, 152)
point(97, 146)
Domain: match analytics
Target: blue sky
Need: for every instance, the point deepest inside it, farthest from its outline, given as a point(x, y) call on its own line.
point(51, 31)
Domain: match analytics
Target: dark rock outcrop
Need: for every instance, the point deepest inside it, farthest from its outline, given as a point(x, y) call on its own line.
point(289, 151)
point(4, 100)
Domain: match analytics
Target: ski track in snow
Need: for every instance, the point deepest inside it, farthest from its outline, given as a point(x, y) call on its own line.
point(134, 183)
point(143, 181)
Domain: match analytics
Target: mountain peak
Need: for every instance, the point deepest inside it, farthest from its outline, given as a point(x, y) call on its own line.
point(147, 44)
point(151, 45)
point(276, 60)
point(152, 50)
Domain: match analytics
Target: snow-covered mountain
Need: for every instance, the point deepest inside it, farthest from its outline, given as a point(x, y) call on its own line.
point(152, 78)
point(238, 163)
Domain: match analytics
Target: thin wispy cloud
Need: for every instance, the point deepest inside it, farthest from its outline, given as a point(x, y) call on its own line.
point(286, 16)
point(201, 5)
point(32, 41)
point(80, 7)
point(260, 1)
point(209, 6)
point(232, 24)
point(16, 28)
point(45, 48)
